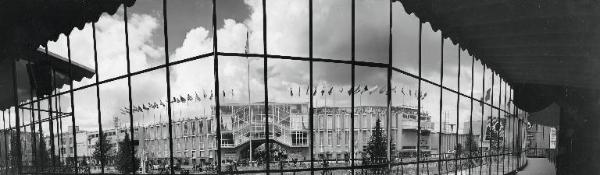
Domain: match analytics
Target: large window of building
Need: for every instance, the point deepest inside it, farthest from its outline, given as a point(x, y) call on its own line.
point(268, 86)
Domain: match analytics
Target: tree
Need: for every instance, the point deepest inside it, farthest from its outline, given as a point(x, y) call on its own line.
point(42, 158)
point(101, 149)
point(472, 147)
point(376, 151)
point(14, 149)
point(377, 146)
point(125, 155)
point(458, 150)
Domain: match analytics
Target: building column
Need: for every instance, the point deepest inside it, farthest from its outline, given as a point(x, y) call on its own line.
point(579, 136)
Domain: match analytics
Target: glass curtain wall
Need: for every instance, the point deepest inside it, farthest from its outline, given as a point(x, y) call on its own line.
point(265, 86)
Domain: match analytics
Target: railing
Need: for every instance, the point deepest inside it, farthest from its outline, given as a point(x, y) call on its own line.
point(542, 153)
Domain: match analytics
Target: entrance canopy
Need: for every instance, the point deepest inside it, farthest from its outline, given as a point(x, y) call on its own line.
point(550, 43)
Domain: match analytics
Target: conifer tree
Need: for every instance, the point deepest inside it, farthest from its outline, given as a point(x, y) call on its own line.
point(124, 157)
point(377, 146)
point(101, 150)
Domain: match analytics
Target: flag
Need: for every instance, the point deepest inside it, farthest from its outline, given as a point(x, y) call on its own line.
point(365, 89)
point(144, 107)
point(350, 91)
point(189, 97)
point(124, 110)
point(247, 48)
point(175, 100)
point(307, 90)
point(487, 94)
point(356, 89)
point(330, 90)
point(181, 99)
point(291, 92)
point(197, 97)
point(382, 90)
point(162, 104)
point(481, 101)
point(373, 89)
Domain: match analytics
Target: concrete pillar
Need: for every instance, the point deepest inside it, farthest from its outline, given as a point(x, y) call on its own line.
point(579, 136)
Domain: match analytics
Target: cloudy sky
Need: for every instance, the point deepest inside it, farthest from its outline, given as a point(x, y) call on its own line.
point(190, 34)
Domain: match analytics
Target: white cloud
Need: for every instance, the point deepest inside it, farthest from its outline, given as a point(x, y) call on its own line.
point(287, 35)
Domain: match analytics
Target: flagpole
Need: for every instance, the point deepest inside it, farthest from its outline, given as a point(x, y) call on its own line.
point(248, 85)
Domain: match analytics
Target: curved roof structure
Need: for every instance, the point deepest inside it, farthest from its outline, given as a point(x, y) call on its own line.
point(549, 43)
point(27, 25)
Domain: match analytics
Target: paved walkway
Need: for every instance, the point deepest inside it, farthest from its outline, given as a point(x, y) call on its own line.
point(538, 166)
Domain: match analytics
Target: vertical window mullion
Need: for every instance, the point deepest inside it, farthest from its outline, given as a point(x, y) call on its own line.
point(130, 100)
point(491, 105)
point(32, 123)
point(482, 104)
point(499, 121)
point(17, 117)
point(419, 98)
point(71, 94)
point(389, 92)
point(352, 82)
point(441, 103)
point(50, 118)
point(310, 86)
point(216, 75)
point(457, 156)
point(168, 80)
point(471, 135)
point(265, 81)
point(98, 101)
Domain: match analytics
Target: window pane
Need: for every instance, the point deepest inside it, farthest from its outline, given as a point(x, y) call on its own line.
point(431, 53)
point(332, 29)
point(405, 40)
point(242, 113)
point(372, 31)
point(332, 116)
point(404, 110)
point(146, 34)
point(189, 28)
point(450, 65)
point(149, 102)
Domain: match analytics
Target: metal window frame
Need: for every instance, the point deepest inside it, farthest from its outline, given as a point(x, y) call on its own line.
point(311, 59)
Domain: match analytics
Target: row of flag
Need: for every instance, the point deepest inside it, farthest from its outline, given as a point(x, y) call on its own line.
point(356, 90)
point(324, 91)
point(181, 99)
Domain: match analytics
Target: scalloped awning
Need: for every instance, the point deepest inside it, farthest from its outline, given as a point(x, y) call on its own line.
point(26, 25)
point(29, 24)
point(552, 43)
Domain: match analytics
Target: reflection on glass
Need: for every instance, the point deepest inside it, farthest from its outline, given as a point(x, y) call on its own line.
point(331, 119)
point(242, 110)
